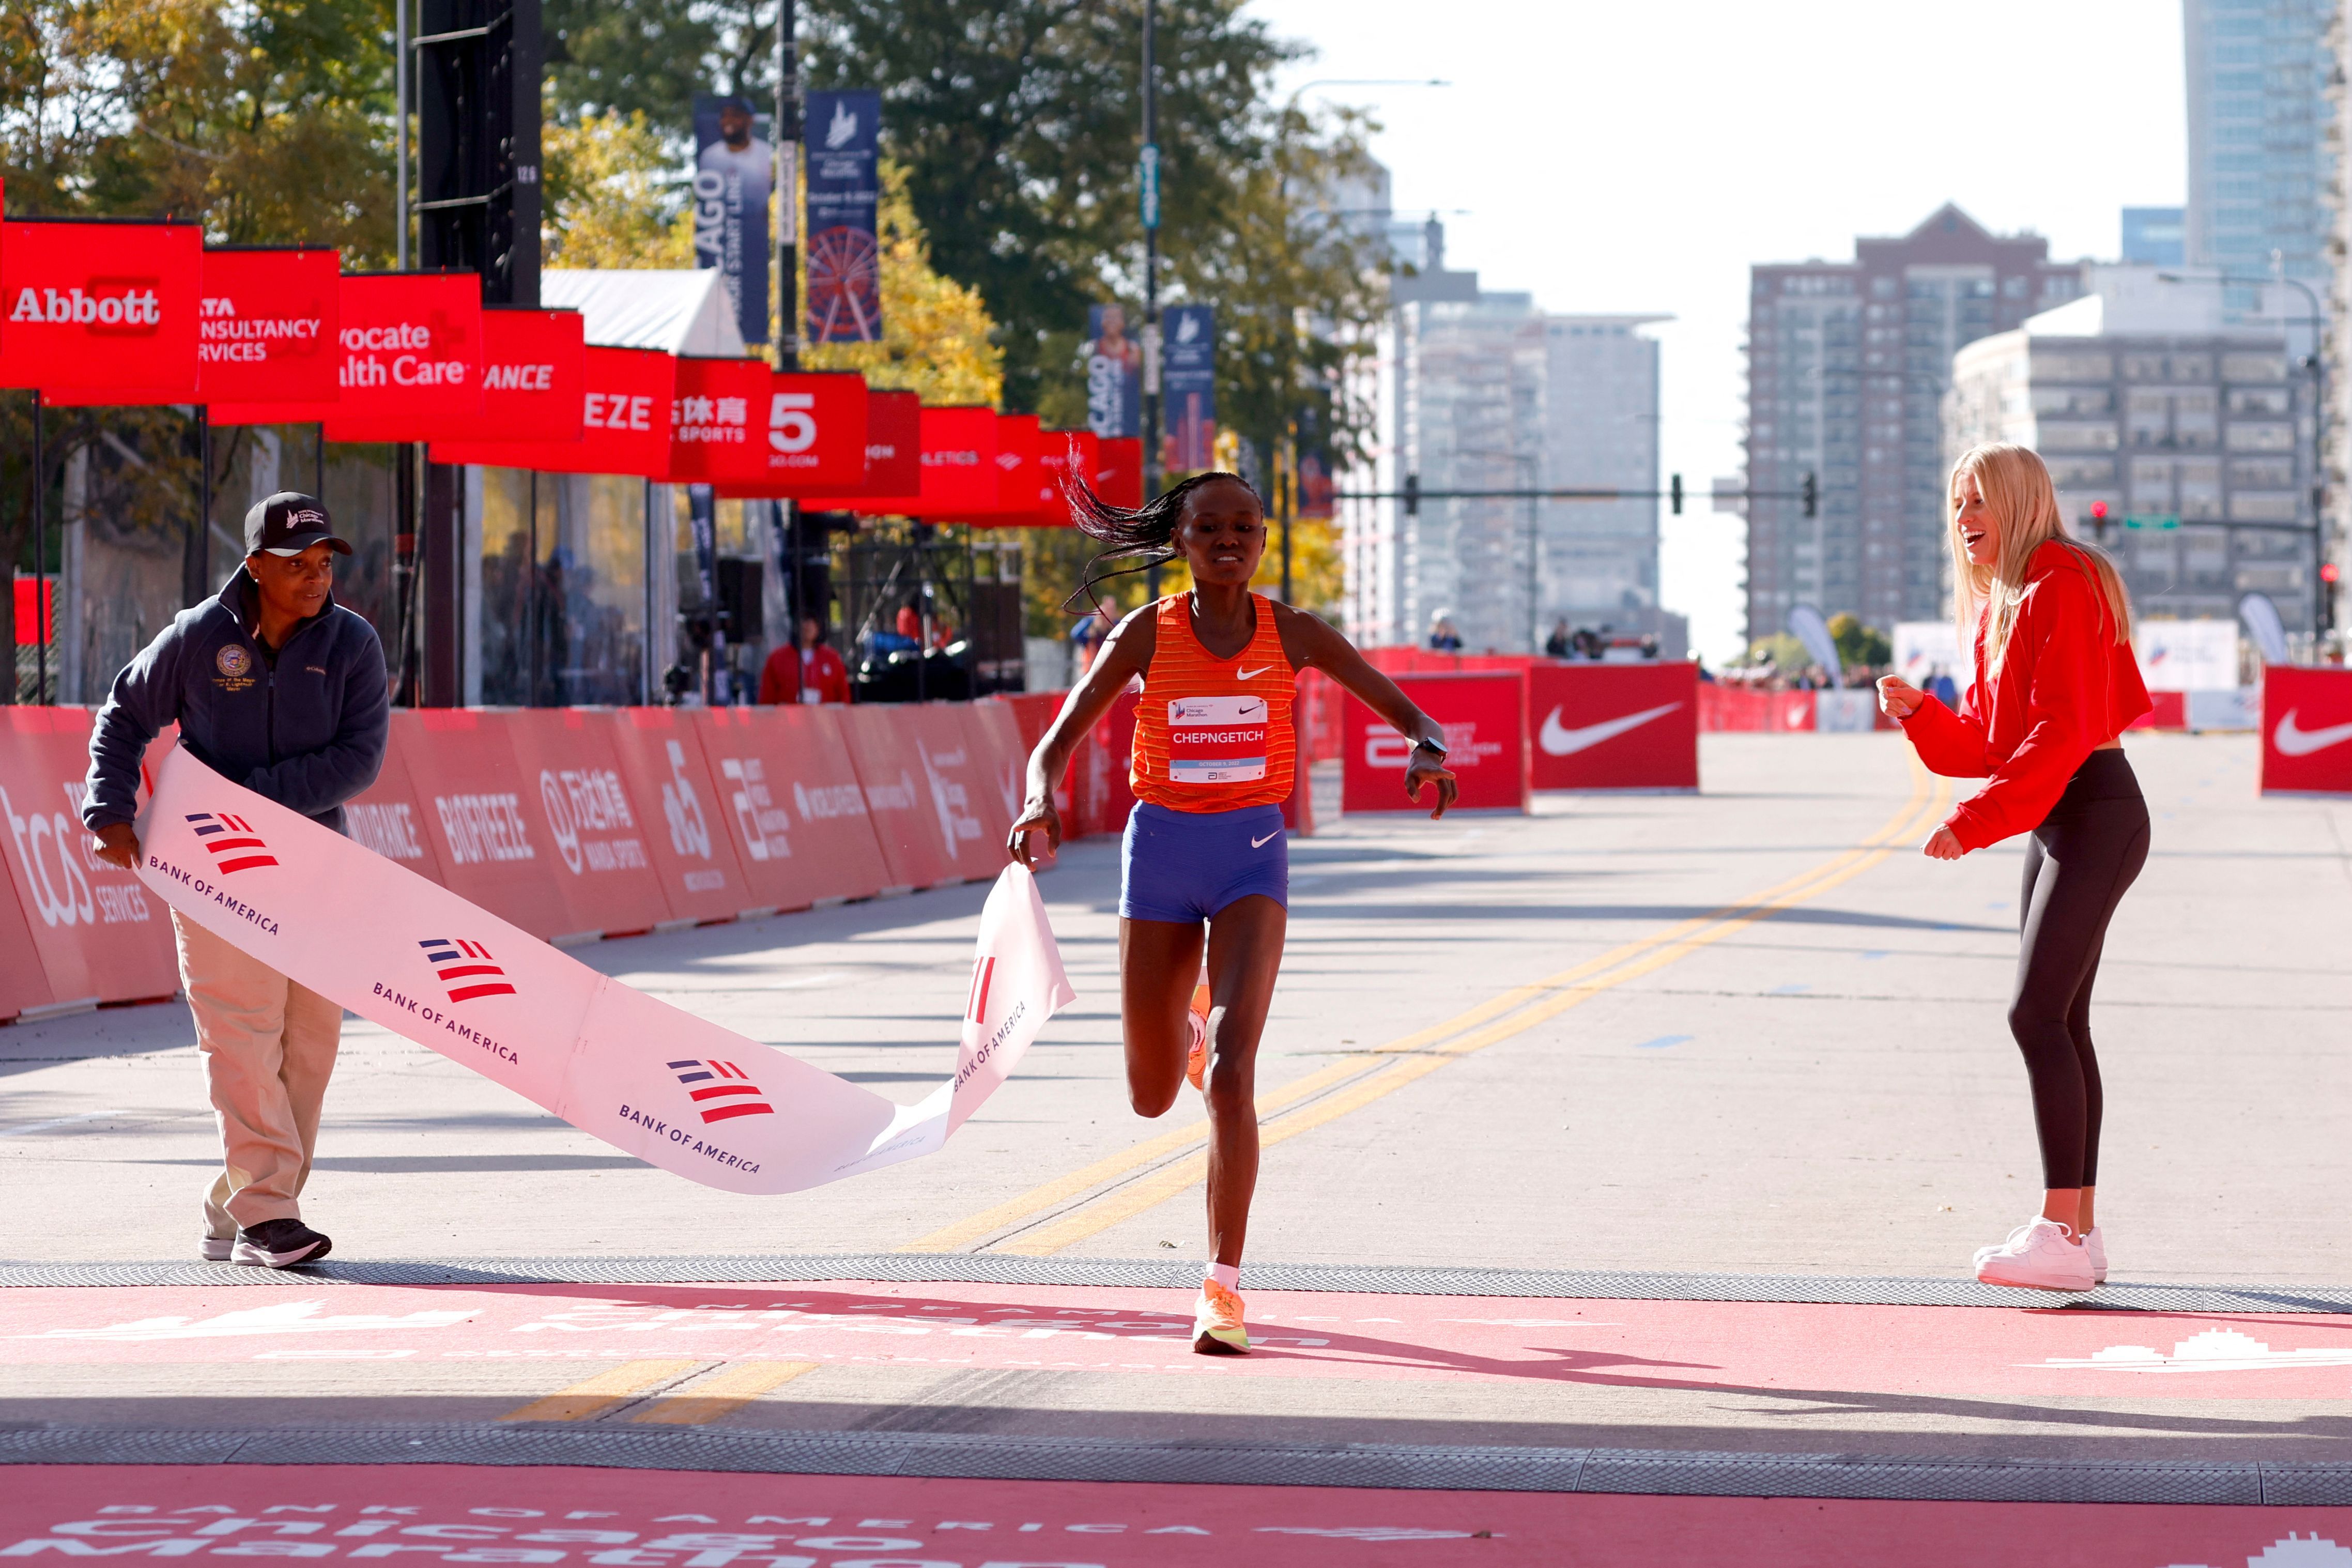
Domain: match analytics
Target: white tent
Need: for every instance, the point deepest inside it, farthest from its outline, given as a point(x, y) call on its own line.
point(684, 313)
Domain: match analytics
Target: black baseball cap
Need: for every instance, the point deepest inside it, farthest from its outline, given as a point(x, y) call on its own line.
point(288, 523)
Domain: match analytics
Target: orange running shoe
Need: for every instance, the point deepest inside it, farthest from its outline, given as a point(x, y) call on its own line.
point(1196, 1062)
point(1217, 1327)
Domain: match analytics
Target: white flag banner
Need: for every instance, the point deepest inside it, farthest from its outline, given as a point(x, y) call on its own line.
point(668, 1087)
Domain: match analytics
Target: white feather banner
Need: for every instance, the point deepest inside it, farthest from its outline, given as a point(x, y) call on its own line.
point(670, 1087)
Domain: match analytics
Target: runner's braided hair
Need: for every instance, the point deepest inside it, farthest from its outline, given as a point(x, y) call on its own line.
point(1143, 536)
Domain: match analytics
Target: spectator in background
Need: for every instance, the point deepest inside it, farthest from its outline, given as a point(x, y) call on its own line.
point(1943, 688)
point(1085, 636)
point(910, 625)
point(810, 672)
point(1441, 635)
point(1557, 645)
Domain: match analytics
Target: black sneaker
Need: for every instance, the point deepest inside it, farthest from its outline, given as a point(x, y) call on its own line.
point(280, 1244)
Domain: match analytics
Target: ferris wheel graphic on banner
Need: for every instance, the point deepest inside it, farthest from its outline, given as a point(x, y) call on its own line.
point(844, 287)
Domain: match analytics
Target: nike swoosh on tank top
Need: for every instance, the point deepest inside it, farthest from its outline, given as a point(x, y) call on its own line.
point(1205, 739)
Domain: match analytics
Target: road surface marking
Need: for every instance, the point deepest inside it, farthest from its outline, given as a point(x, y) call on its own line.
point(723, 1393)
point(1133, 1173)
point(585, 1401)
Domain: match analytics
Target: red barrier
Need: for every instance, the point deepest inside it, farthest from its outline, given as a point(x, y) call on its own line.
point(101, 936)
point(1321, 715)
point(1733, 708)
point(1033, 714)
point(995, 739)
point(1789, 712)
point(1099, 796)
point(1614, 726)
point(966, 805)
point(662, 764)
point(2166, 710)
point(881, 744)
point(389, 816)
point(2306, 730)
point(602, 864)
point(791, 804)
point(1485, 720)
point(481, 808)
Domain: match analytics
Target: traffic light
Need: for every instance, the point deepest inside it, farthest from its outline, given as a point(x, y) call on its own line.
point(2328, 574)
point(1675, 494)
point(1812, 494)
point(2099, 520)
point(1412, 495)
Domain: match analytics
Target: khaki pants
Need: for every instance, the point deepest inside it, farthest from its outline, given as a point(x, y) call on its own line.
point(268, 1046)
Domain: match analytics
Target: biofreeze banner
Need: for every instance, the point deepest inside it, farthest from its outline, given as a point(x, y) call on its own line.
point(660, 1084)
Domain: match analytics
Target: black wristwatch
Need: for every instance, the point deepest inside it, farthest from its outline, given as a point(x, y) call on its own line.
point(1428, 745)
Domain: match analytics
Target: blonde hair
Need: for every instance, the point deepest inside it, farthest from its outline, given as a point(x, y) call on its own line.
point(2016, 490)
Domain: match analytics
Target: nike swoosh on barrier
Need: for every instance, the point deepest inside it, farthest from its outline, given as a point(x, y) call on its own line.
point(1258, 843)
point(2294, 742)
point(1558, 742)
point(1252, 674)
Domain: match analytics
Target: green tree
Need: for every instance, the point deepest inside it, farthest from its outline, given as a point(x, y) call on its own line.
point(1858, 643)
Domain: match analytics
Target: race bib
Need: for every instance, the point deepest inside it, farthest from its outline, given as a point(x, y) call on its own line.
point(1216, 740)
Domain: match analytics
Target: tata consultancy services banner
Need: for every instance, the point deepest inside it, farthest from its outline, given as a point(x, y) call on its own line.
point(1189, 378)
point(844, 187)
point(734, 171)
point(653, 1081)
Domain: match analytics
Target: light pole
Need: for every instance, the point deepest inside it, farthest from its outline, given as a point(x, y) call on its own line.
point(2317, 322)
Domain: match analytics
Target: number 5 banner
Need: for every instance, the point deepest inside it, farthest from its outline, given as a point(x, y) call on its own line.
point(659, 1083)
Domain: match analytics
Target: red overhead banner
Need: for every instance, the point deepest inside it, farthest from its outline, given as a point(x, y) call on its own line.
point(534, 369)
point(894, 467)
point(959, 462)
point(624, 423)
point(268, 331)
point(815, 435)
point(712, 439)
point(1118, 471)
point(410, 366)
point(1057, 453)
point(100, 312)
point(1017, 439)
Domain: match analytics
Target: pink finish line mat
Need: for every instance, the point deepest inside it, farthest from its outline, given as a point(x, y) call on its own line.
point(1982, 1352)
point(626, 1518)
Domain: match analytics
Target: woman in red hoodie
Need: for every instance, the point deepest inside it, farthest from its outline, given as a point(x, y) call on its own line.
point(2056, 684)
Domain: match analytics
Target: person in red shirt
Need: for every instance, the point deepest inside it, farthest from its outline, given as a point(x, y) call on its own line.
point(2056, 686)
point(811, 672)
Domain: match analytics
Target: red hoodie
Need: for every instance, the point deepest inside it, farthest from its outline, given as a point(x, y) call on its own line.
point(2066, 687)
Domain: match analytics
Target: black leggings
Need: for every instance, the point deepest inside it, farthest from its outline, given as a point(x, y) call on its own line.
point(2077, 865)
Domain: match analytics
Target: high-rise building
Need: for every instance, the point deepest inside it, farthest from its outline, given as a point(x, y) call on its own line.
point(2154, 236)
point(2192, 431)
point(2259, 154)
point(1846, 370)
point(1480, 390)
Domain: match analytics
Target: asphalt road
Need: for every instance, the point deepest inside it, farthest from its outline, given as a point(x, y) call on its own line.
point(1749, 1032)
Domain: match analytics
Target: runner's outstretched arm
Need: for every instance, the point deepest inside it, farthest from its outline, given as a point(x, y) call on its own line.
point(1313, 643)
point(1124, 657)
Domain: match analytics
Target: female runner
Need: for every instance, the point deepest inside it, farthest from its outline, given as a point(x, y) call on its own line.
point(1213, 764)
point(2056, 684)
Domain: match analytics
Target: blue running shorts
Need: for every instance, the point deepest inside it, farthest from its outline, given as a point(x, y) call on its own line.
point(1185, 866)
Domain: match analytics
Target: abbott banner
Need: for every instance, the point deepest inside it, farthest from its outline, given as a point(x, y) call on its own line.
point(660, 1084)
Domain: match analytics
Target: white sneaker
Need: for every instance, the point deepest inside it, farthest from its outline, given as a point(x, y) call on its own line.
point(2095, 1244)
point(2040, 1255)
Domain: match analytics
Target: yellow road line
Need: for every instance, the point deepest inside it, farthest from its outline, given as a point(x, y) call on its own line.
point(583, 1401)
point(1156, 1188)
point(1153, 1151)
point(723, 1393)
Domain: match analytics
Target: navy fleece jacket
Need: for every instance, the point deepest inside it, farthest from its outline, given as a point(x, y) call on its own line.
point(306, 730)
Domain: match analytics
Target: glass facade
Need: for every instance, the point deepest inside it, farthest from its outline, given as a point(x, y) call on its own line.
point(562, 601)
point(2258, 119)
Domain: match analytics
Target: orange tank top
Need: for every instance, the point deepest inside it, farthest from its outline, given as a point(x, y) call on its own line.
point(1213, 735)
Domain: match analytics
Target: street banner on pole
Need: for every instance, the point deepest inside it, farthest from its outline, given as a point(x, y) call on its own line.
point(1315, 476)
point(100, 313)
point(734, 171)
point(1189, 377)
point(1114, 364)
point(653, 1081)
point(845, 191)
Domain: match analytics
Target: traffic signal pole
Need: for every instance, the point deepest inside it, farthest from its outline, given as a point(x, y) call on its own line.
point(1412, 495)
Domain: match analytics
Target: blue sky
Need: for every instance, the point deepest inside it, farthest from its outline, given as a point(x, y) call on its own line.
point(1639, 157)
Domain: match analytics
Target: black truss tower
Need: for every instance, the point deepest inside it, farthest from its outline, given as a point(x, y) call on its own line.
point(478, 208)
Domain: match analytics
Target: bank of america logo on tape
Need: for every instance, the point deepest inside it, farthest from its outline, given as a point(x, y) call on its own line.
point(976, 1006)
point(466, 968)
point(727, 1090)
point(232, 842)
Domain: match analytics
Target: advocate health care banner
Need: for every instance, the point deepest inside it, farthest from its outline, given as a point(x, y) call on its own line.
point(663, 1085)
